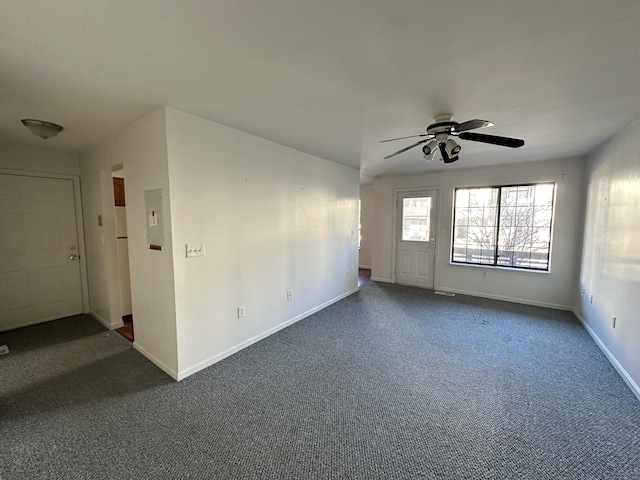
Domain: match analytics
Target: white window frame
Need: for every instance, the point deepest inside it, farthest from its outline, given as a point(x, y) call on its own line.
point(496, 258)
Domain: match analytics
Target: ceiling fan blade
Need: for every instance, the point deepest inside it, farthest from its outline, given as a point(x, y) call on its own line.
point(494, 140)
point(402, 138)
point(472, 125)
point(405, 149)
point(445, 157)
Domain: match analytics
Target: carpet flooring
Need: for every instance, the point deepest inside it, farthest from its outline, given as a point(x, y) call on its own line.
point(390, 383)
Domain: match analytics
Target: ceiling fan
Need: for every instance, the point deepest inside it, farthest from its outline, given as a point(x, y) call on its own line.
point(439, 133)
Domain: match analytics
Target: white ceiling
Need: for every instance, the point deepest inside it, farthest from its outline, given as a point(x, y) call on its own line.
point(332, 77)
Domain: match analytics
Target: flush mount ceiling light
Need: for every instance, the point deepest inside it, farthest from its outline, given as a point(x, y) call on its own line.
point(41, 128)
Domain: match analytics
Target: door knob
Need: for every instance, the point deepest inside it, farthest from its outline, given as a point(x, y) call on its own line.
point(73, 257)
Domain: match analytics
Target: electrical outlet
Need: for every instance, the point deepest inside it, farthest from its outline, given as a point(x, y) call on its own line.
point(582, 292)
point(613, 321)
point(591, 298)
point(241, 311)
point(289, 294)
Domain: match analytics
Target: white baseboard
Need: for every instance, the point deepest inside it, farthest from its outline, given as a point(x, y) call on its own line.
point(109, 325)
point(162, 366)
point(380, 279)
point(612, 359)
point(504, 298)
point(236, 348)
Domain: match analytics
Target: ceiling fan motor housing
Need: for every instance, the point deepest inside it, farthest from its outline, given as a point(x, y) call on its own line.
point(441, 128)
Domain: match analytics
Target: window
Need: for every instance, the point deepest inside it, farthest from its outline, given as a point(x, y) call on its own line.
point(416, 213)
point(508, 226)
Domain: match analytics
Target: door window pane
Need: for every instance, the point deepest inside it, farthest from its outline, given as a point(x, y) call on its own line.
point(415, 218)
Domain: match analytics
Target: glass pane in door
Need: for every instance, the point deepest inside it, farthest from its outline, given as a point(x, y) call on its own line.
point(416, 213)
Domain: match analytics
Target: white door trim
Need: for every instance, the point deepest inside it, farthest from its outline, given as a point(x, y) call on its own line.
point(77, 198)
point(396, 195)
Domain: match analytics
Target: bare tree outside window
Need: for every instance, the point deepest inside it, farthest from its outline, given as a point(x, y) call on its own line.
point(506, 226)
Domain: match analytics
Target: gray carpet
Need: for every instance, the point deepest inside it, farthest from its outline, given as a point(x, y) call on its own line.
point(390, 383)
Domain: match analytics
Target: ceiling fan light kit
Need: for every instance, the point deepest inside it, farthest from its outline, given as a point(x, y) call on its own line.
point(439, 133)
point(430, 148)
point(452, 147)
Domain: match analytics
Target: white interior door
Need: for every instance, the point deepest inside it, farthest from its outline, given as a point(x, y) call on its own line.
point(416, 238)
point(39, 268)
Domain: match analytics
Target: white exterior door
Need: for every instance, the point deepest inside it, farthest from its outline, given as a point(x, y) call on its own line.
point(39, 268)
point(416, 238)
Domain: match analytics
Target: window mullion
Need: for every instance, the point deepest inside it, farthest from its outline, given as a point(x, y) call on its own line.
point(497, 237)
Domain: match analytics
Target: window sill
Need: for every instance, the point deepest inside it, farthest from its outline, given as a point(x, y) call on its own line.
point(502, 269)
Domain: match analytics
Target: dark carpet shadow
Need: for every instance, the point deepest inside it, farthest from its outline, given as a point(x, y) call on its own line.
point(47, 334)
point(117, 375)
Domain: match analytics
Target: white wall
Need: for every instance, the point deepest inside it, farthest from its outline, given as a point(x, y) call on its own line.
point(366, 224)
point(142, 151)
point(19, 158)
point(272, 219)
point(554, 289)
point(610, 268)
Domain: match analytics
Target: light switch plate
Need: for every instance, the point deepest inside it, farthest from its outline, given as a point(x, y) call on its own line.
point(195, 250)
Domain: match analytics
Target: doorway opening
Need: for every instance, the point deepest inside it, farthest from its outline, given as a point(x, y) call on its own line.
point(364, 276)
point(122, 246)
